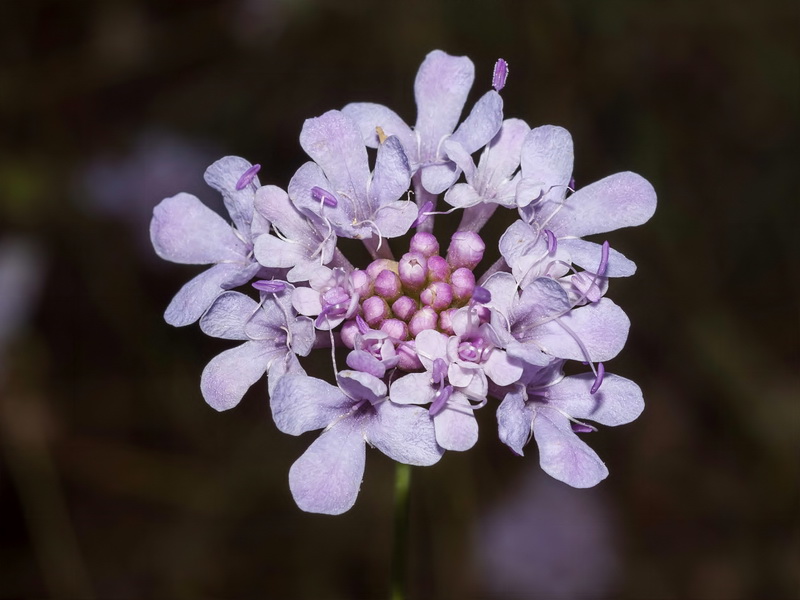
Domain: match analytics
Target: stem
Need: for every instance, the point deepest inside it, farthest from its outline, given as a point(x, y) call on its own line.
point(402, 483)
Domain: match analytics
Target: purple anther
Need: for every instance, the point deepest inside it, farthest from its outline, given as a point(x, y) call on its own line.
point(439, 371)
point(552, 242)
point(440, 400)
point(388, 286)
point(601, 371)
point(348, 333)
point(581, 428)
point(247, 177)
point(362, 325)
point(423, 215)
point(500, 74)
point(395, 329)
point(404, 308)
point(438, 269)
point(571, 184)
point(269, 286)
point(424, 243)
point(603, 259)
point(375, 310)
point(481, 295)
point(323, 196)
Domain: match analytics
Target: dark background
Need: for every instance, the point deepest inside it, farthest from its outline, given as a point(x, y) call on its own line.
point(118, 481)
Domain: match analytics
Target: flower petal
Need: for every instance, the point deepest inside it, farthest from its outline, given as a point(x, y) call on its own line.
point(514, 420)
point(230, 374)
point(547, 158)
point(587, 256)
point(502, 368)
point(361, 386)
point(414, 388)
point(369, 117)
point(562, 454)
point(456, 426)
point(327, 477)
point(223, 176)
point(300, 403)
point(227, 316)
point(620, 200)
point(404, 434)
point(392, 174)
point(184, 230)
point(462, 195)
point(482, 124)
point(194, 298)
point(502, 156)
point(618, 401)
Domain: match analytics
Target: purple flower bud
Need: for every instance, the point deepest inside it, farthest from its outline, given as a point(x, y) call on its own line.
point(424, 243)
point(395, 329)
point(405, 307)
point(348, 333)
point(247, 177)
point(269, 286)
point(422, 214)
point(388, 286)
point(463, 282)
point(379, 265)
point(438, 269)
point(481, 295)
point(466, 250)
point(413, 270)
point(425, 318)
point(500, 74)
point(323, 196)
point(407, 355)
point(446, 321)
point(362, 284)
point(601, 371)
point(375, 310)
point(438, 295)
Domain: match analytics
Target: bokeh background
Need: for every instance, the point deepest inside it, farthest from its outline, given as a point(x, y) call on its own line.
point(118, 481)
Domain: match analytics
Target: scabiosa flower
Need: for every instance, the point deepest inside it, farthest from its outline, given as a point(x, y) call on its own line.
point(430, 342)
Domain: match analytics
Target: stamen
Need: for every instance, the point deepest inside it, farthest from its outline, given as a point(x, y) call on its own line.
point(324, 197)
point(439, 371)
point(481, 295)
point(440, 400)
point(500, 74)
point(582, 427)
point(269, 286)
point(423, 213)
point(603, 259)
point(381, 135)
point(552, 242)
point(247, 177)
point(601, 371)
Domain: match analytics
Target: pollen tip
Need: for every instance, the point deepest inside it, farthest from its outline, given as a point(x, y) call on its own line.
point(323, 196)
point(601, 371)
point(500, 74)
point(247, 177)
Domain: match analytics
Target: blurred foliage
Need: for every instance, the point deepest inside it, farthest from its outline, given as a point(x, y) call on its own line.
point(117, 481)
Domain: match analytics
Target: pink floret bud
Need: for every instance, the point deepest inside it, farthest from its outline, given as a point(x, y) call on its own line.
point(413, 270)
point(466, 250)
point(425, 318)
point(404, 307)
point(424, 243)
point(463, 282)
point(388, 286)
point(349, 332)
point(379, 265)
point(438, 295)
point(407, 355)
point(438, 269)
point(395, 329)
point(446, 321)
point(375, 310)
point(362, 285)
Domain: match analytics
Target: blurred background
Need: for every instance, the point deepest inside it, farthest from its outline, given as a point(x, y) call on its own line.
point(118, 481)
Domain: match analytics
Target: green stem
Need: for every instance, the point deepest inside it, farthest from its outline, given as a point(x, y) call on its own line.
point(402, 483)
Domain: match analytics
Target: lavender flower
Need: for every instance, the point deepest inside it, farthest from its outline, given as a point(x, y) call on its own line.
point(430, 341)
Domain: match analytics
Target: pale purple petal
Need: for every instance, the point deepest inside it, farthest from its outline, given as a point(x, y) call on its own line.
point(361, 360)
point(301, 404)
point(395, 218)
point(587, 256)
point(302, 335)
point(529, 353)
point(441, 89)
point(392, 174)
point(196, 295)
point(327, 477)
point(283, 363)
point(618, 401)
point(456, 426)
point(503, 288)
point(404, 434)
point(184, 230)
point(501, 368)
point(362, 386)
point(502, 156)
point(227, 316)
point(437, 178)
point(223, 176)
point(562, 454)
point(431, 345)
point(547, 158)
point(602, 327)
point(230, 374)
point(541, 300)
point(307, 301)
point(462, 195)
point(369, 117)
point(620, 200)
point(461, 157)
point(279, 254)
point(482, 124)
point(414, 388)
point(514, 420)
